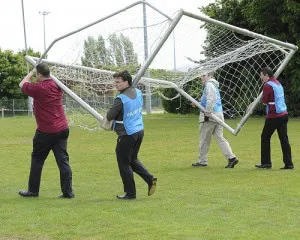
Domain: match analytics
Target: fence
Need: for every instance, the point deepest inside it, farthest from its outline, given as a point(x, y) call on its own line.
point(14, 107)
point(19, 107)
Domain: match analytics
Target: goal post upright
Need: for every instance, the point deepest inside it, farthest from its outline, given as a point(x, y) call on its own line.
point(168, 32)
point(87, 26)
point(68, 91)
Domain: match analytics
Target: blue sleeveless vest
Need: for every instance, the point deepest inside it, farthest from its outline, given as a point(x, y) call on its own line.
point(280, 105)
point(218, 105)
point(132, 118)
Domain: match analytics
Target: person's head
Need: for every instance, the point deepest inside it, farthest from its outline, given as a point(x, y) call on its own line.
point(206, 76)
point(122, 80)
point(42, 71)
point(266, 73)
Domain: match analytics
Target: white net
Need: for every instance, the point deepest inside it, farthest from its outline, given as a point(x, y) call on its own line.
point(234, 56)
point(85, 61)
point(236, 64)
point(94, 86)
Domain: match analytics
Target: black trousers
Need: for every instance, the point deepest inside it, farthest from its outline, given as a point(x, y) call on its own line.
point(272, 124)
point(127, 150)
point(42, 144)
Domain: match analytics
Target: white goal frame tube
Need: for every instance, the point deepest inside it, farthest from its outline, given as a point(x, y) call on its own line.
point(258, 99)
point(70, 93)
point(145, 66)
point(95, 70)
point(187, 96)
point(74, 66)
point(100, 20)
point(240, 30)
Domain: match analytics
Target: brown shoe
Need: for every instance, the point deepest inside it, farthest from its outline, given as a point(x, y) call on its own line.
point(152, 186)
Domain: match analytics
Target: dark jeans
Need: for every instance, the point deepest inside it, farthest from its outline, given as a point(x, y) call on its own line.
point(127, 150)
point(272, 124)
point(42, 144)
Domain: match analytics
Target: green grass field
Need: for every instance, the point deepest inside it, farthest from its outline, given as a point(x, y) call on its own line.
point(190, 203)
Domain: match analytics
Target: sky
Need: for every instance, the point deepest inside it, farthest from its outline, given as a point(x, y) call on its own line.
point(66, 16)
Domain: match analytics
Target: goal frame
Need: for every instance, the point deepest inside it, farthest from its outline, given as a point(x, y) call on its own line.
point(142, 71)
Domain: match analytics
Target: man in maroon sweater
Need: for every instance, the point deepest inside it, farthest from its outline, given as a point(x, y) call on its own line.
point(276, 119)
point(52, 131)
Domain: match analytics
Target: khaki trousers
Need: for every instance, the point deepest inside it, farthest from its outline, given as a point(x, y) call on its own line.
point(207, 129)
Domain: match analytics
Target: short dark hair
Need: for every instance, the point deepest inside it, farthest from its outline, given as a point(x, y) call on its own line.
point(125, 75)
point(43, 69)
point(267, 71)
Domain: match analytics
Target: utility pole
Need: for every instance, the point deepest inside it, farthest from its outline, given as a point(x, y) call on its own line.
point(29, 103)
point(148, 87)
point(146, 54)
point(44, 13)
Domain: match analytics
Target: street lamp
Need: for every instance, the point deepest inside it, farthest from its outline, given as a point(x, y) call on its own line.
point(44, 13)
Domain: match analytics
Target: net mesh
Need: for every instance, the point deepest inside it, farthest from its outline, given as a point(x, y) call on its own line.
point(235, 63)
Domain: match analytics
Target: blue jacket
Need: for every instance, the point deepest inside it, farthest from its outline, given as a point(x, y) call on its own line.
point(132, 117)
point(280, 105)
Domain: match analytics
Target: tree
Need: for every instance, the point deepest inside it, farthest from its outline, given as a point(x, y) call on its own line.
point(13, 69)
point(129, 56)
point(274, 18)
point(117, 52)
point(95, 53)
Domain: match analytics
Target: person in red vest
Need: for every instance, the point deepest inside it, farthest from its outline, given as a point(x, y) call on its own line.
point(52, 131)
point(276, 119)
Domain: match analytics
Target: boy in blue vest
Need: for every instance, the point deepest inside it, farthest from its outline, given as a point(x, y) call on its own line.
point(126, 114)
point(211, 101)
point(276, 119)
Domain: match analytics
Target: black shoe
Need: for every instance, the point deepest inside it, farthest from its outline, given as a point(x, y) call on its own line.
point(67, 195)
point(267, 166)
point(197, 164)
point(232, 162)
point(28, 194)
point(287, 167)
point(126, 197)
point(152, 186)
